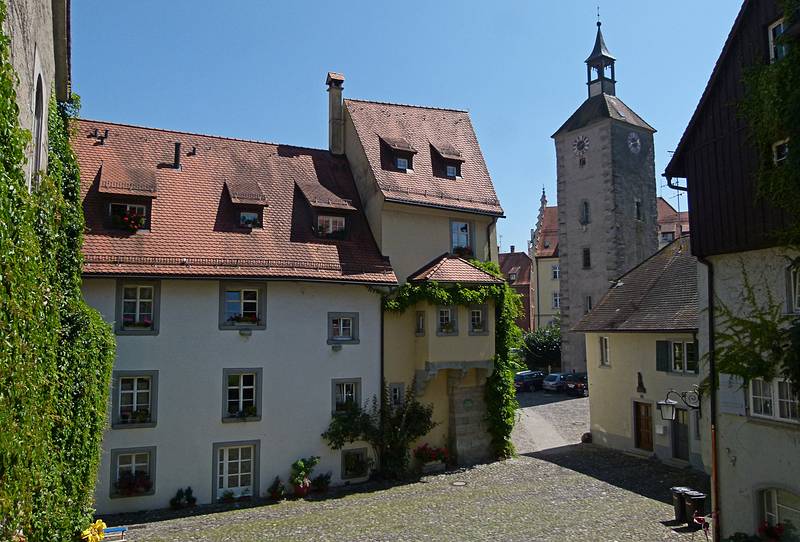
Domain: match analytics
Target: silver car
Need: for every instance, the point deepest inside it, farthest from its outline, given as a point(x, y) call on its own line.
point(554, 382)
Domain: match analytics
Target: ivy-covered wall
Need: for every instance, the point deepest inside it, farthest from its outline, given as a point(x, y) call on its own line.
point(56, 353)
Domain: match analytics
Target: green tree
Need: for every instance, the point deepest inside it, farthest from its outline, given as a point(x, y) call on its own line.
point(542, 348)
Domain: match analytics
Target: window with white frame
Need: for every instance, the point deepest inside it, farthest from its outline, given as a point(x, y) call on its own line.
point(556, 269)
point(241, 398)
point(780, 152)
point(133, 472)
point(396, 393)
point(135, 399)
point(678, 358)
point(477, 320)
point(780, 506)
point(762, 400)
point(460, 238)
point(512, 277)
point(330, 226)
point(446, 324)
point(235, 471)
point(419, 328)
point(401, 163)
point(346, 393)
point(556, 300)
point(604, 352)
point(451, 171)
point(128, 216)
point(776, 50)
point(241, 306)
point(137, 306)
point(249, 219)
point(342, 327)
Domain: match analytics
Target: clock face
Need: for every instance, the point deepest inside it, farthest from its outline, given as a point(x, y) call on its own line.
point(580, 145)
point(634, 143)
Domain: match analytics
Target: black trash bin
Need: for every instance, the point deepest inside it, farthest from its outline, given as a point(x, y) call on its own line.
point(678, 502)
point(695, 502)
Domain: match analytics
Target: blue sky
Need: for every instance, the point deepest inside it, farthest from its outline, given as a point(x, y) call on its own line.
point(256, 70)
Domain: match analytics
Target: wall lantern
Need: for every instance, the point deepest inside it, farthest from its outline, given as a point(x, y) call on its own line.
point(689, 398)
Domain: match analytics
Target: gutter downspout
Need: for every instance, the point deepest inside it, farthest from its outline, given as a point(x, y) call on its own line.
point(712, 369)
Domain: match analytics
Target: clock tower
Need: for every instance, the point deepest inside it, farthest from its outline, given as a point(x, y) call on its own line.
point(606, 198)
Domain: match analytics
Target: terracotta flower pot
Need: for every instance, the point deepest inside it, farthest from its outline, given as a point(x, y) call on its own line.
point(301, 491)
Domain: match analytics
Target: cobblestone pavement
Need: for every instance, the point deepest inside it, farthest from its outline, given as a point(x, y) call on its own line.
point(571, 492)
point(549, 420)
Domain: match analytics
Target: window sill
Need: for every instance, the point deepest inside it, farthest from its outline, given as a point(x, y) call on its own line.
point(237, 419)
point(774, 422)
point(350, 341)
point(132, 425)
point(447, 334)
point(119, 496)
point(604, 366)
point(135, 331)
point(419, 334)
point(254, 327)
point(479, 333)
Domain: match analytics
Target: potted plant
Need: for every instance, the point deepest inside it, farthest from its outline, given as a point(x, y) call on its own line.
point(141, 415)
point(300, 473)
point(251, 319)
point(227, 496)
point(431, 458)
point(321, 483)
point(129, 220)
point(130, 484)
point(448, 327)
point(276, 491)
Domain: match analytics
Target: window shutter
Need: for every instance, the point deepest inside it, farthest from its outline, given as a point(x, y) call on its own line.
point(790, 308)
point(697, 355)
point(662, 356)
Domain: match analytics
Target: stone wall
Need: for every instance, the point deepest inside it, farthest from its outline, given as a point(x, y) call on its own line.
point(469, 436)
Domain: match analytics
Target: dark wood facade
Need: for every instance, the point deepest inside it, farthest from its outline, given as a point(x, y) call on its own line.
point(716, 154)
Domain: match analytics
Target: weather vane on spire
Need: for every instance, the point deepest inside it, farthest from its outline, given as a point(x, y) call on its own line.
point(598, 16)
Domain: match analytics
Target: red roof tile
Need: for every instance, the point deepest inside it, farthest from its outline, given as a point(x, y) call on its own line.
point(668, 216)
point(547, 236)
point(193, 227)
point(449, 269)
point(115, 178)
point(421, 127)
point(516, 262)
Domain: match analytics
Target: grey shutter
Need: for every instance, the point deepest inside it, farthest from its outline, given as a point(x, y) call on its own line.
point(697, 355)
point(662, 356)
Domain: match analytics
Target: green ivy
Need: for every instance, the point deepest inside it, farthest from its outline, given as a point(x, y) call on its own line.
point(501, 399)
point(771, 107)
point(56, 353)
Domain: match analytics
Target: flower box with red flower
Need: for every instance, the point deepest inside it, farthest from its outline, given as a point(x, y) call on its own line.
point(131, 220)
point(129, 322)
point(130, 484)
point(245, 319)
point(431, 458)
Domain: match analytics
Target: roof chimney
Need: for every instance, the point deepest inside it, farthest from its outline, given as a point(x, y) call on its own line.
point(335, 113)
point(177, 164)
point(512, 248)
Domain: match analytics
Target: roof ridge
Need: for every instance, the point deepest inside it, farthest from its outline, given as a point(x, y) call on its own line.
point(200, 134)
point(452, 109)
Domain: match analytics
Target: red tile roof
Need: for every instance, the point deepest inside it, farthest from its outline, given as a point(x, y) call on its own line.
point(516, 262)
point(193, 227)
point(602, 106)
point(424, 129)
point(449, 269)
point(547, 236)
point(668, 216)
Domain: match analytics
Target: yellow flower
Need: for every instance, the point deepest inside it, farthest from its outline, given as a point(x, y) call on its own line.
point(95, 531)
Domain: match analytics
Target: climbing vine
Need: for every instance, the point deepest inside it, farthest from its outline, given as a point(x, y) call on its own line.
point(501, 401)
point(56, 353)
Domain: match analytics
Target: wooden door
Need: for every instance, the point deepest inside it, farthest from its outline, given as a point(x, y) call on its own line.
point(643, 426)
point(680, 434)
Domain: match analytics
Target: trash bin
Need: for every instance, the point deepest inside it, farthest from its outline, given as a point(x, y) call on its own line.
point(695, 502)
point(678, 502)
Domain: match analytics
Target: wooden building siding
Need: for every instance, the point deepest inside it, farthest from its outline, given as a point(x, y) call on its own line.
point(716, 155)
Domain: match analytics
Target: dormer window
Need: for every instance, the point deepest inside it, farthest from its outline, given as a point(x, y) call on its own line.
point(330, 226)
point(451, 171)
point(512, 277)
point(249, 219)
point(446, 160)
point(128, 216)
point(401, 163)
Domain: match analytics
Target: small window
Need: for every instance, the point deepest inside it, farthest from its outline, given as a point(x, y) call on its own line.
point(331, 227)
point(604, 352)
point(401, 163)
point(584, 219)
point(397, 394)
point(346, 393)
point(235, 471)
point(587, 258)
point(477, 321)
point(451, 171)
point(776, 50)
point(780, 151)
point(512, 277)
point(637, 209)
point(354, 463)
point(242, 305)
point(249, 219)
point(692, 358)
point(667, 236)
point(137, 308)
point(556, 300)
point(556, 269)
point(241, 394)
point(780, 506)
point(128, 216)
point(762, 400)
point(342, 327)
point(678, 358)
point(587, 304)
point(133, 472)
point(460, 238)
point(447, 324)
point(419, 328)
point(135, 399)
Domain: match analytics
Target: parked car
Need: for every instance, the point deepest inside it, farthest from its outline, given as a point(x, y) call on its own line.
point(577, 384)
point(528, 380)
point(554, 382)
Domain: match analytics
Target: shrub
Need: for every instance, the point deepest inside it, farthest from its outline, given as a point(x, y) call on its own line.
point(321, 483)
point(276, 491)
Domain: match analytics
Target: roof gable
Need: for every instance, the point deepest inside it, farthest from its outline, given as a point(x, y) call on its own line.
point(446, 131)
point(452, 269)
point(193, 229)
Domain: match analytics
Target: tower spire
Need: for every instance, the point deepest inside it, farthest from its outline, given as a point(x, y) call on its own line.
point(600, 65)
